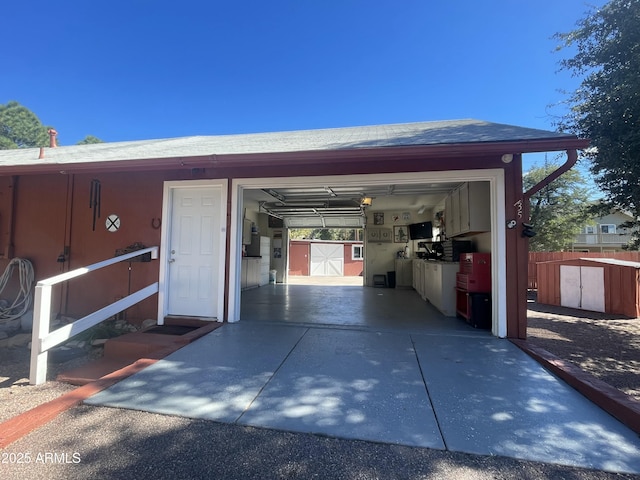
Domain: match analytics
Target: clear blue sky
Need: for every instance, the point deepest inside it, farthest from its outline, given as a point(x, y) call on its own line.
point(134, 69)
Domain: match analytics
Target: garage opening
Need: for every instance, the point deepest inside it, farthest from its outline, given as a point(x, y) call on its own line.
point(394, 286)
point(326, 256)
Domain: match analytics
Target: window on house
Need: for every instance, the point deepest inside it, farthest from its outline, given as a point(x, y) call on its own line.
point(590, 229)
point(607, 228)
point(357, 252)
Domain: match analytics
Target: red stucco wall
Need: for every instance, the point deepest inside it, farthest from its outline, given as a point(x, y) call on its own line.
point(52, 212)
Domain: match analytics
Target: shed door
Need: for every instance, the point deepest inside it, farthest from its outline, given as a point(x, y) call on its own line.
point(193, 252)
point(570, 286)
point(582, 287)
point(592, 279)
point(327, 259)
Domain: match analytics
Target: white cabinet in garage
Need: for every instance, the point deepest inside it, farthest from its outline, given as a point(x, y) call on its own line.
point(404, 272)
point(439, 285)
point(265, 251)
point(418, 274)
point(468, 209)
point(246, 231)
point(582, 287)
point(250, 272)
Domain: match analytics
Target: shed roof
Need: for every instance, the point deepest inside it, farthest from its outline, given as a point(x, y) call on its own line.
point(334, 139)
point(609, 261)
point(613, 261)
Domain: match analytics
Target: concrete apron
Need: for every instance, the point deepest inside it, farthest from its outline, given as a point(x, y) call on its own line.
point(469, 393)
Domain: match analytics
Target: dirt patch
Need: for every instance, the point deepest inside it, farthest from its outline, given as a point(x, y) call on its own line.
point(606, 346)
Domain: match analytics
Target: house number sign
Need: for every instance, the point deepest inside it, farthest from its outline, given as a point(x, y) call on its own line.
point(113, 223)
point(519, 208)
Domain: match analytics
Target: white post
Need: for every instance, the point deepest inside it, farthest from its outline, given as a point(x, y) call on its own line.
point(41, 318)
point(42, 313)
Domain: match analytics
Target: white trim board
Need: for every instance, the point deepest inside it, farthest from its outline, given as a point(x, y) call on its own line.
point(495, 177)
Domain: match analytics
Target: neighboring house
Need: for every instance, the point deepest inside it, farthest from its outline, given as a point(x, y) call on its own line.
point(603, 234)
point(68, 207)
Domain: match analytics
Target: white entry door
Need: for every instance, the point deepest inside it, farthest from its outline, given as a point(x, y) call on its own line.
point(326, 259)
point(193, 254)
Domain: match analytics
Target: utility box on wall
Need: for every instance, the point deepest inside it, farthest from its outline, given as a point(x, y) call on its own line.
point(596, 284)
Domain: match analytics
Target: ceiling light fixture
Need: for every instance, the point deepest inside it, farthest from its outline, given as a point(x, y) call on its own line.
point(366, 201)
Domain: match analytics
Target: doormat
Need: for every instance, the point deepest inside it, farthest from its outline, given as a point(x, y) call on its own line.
point(171, 329)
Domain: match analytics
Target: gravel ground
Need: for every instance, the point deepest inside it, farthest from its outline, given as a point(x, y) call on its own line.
point(101, 442)
point(16, 395)
point(606, 346)
point(111, 443)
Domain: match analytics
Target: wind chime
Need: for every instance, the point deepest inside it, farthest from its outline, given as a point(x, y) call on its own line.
point(94, 200)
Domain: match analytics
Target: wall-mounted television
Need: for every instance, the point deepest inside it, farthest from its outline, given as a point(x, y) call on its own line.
point(421, 231)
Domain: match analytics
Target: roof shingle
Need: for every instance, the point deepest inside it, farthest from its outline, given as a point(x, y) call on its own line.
point(375, 136)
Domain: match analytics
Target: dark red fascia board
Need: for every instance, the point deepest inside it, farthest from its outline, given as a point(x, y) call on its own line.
point(414, 152)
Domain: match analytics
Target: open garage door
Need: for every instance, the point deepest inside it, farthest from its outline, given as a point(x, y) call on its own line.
point(327, 259)
point(385, 203)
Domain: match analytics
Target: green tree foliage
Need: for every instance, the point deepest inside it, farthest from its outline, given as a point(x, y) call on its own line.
point(89, 139)
point(559, 210)
point(606, 106)
point(325, 234)
point(21, 128)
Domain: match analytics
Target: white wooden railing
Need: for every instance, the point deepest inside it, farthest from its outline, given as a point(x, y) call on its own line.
point(43, 340)
point(604, 238)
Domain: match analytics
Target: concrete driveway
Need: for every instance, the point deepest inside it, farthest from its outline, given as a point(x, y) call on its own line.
point(470, 393)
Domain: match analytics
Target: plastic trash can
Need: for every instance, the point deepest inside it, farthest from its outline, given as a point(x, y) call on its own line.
point(391, 279)
point(272, 276)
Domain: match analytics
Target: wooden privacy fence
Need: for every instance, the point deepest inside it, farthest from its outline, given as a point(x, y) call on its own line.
point(534, 257)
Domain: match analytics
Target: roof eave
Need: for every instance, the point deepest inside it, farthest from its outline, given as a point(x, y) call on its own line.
point(426, 152)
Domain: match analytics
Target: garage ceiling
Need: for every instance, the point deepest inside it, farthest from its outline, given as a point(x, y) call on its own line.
point(335, 206)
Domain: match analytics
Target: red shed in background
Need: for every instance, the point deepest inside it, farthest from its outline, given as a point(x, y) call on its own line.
point(323, 258)
point(597, 284)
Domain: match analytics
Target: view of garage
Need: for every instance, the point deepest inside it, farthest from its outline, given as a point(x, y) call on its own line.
point(420, 272)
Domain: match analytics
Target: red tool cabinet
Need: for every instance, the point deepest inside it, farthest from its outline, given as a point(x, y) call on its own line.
point(473, 289)
point(475, 273)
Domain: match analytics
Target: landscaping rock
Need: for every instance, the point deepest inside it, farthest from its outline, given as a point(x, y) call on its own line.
point(26, 321)
point(149, 322)
point(19, 340)
point(64, 354)
point(10, 326)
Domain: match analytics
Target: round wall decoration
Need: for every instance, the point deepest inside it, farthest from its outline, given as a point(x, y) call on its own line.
point(113, 223)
